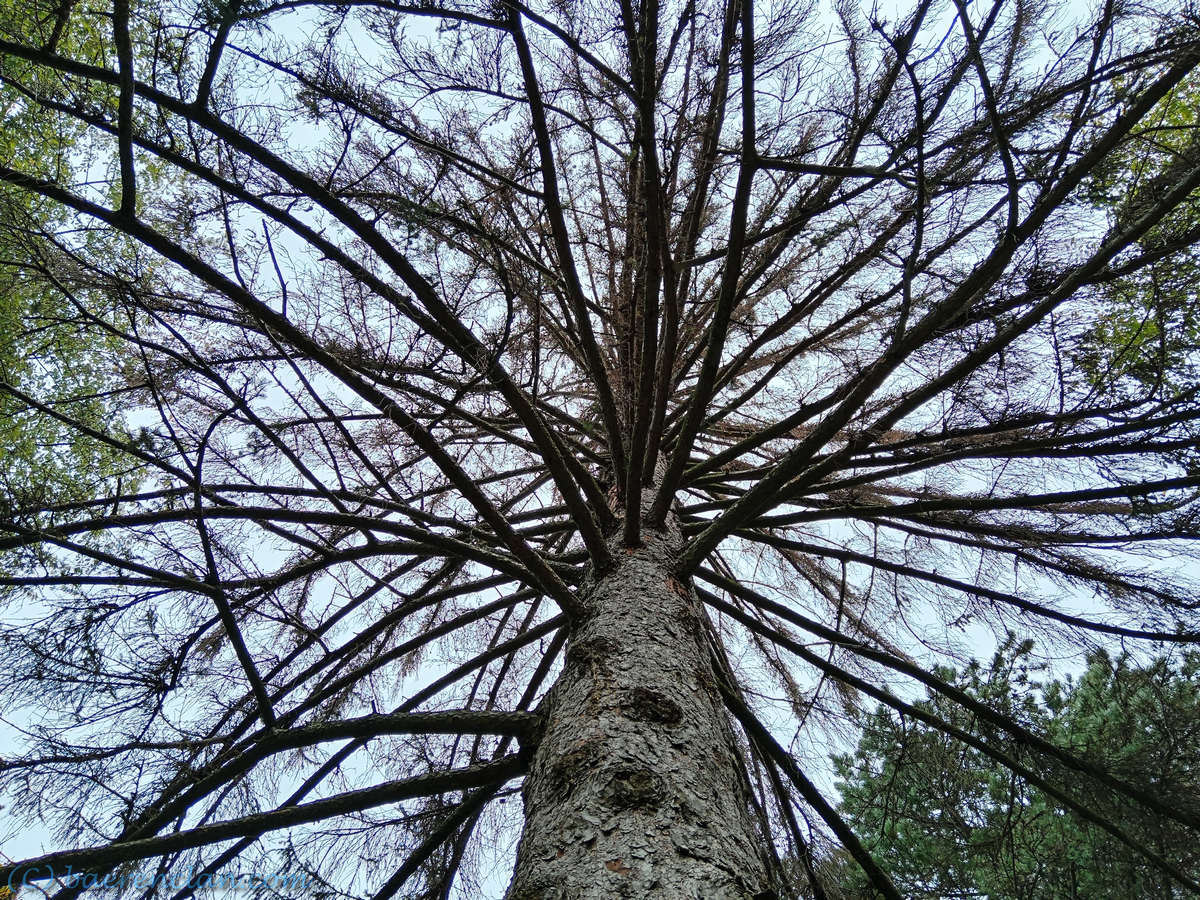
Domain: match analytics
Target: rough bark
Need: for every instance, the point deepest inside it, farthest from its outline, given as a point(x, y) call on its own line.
point(634, 790)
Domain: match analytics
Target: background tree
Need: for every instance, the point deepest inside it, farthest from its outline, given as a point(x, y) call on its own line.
point(1149, 328)
point(948, 821)
point(43, 338)
point(604, 396)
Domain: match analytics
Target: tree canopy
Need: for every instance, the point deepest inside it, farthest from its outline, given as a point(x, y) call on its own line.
point(415, 402)
point(949, 821)
point(47, 347)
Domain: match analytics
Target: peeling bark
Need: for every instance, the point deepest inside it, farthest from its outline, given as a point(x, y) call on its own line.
point(634, 790)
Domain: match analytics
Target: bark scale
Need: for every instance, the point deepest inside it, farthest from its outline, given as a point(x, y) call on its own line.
point(635, 789)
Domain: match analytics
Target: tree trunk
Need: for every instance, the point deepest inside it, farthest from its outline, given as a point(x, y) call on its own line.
point(635, 788)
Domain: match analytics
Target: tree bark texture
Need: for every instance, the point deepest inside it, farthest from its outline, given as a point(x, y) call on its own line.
point(635, 789)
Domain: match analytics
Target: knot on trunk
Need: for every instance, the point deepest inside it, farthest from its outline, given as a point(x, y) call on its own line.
point(630, 787)
point(647, 705)
point(567, 769)
point(592, 653)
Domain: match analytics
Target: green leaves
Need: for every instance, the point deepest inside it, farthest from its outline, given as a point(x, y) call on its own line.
point(1146, 330)
point(50, 350)
point(947, 821)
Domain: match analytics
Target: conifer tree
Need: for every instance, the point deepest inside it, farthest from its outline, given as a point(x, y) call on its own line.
point(590, 400)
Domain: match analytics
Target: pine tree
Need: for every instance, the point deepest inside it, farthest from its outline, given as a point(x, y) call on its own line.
point(950, 822)
point(591, 399)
